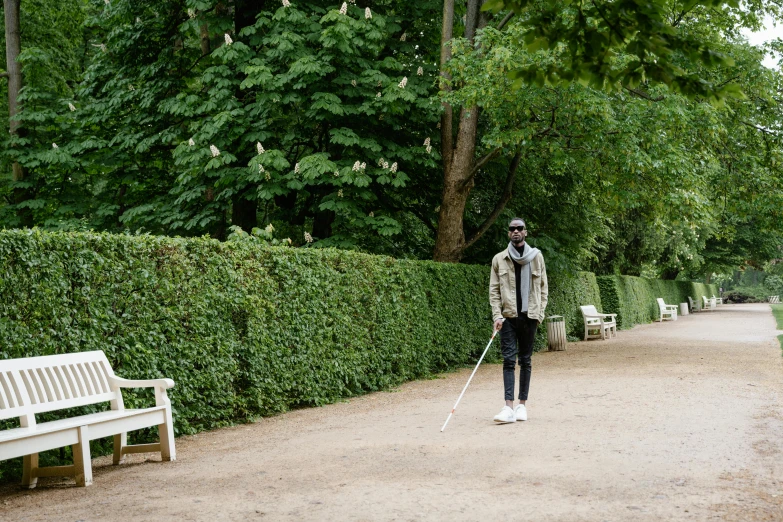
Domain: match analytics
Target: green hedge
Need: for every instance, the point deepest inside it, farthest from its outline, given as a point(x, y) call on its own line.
point(633, 299)
point(245, 330)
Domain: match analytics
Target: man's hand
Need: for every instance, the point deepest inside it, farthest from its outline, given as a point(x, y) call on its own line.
point(498, 324)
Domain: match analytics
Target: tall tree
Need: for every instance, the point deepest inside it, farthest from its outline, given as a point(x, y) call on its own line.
point(13, 46)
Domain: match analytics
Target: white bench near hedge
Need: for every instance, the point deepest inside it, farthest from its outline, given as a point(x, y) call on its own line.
point(36, 385)
point(597, 321)
point(666, 310)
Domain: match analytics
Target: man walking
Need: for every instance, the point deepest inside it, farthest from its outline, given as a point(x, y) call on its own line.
point(518, 294)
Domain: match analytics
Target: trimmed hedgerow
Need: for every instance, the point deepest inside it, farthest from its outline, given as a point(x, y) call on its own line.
point(248, 330)
point(633, 299)
point(566, 294)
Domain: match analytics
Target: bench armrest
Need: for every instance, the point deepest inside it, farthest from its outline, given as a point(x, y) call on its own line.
point(141, 383)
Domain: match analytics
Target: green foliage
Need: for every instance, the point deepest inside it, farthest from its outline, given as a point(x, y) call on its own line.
point(744, 296)
point(626, 42)
point(567, 293)
point(777, 311)
point(633, 299)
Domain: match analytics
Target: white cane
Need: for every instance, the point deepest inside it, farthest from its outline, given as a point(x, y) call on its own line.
point(471, 377)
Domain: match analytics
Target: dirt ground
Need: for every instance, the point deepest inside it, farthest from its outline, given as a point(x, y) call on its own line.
point(673, 421)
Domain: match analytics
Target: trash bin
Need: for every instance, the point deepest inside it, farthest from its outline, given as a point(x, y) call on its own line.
point(683, 308)
point(556, 333)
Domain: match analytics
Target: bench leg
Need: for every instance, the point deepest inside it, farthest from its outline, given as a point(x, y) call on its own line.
point(82, 461)
point(29, 471)
point(166, 433)
point(120, 441)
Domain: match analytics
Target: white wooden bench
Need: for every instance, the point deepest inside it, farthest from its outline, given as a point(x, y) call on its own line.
point(691, 306)
point(774, 299)
point(36, 385)
point(718, 300)
point(667, 311)
point(709, 304)
point(594, 320)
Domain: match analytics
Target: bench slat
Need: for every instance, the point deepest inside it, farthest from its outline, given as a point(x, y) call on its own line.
point(46, 385)
point(31, 386)
point(60, 376)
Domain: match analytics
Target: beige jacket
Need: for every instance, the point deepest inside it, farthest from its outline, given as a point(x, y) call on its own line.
point(503, 288)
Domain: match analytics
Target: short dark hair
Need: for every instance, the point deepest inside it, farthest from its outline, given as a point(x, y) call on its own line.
point(517, 219)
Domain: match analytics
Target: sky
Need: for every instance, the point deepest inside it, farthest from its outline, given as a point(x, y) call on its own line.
point(769, 33)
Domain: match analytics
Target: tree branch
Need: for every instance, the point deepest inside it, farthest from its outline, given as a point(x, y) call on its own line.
point(505, 20)
point(500, 205)
point(486, 159)
point(642, 94)
point(762, 129)
point(3, 75)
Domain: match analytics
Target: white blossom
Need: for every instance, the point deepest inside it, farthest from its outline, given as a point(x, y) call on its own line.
point(131, 87)
point(344, 8)
point(71, 106)
point(287, 240)
point(367, 13)
point(379, 84)
point(381, 161)
point(229, 41)
point(353, 82)
point(378, 95)
point(371, 214)
point(363, 165)
point(308, 237)
point(191, 142)
point(427, 142)
point(356, 166)
point(420, 71)
point(403, 37)
point(286, 3)
point(267, 176)
point(296, 168)
point(101, 46)
point(340, 193)
point(191, 13)
point(54, 146)
point(403, 83)
point(336, 173)
point(394, 167)
point(269, 228)
point(259, 147)
point(214, 150)
point(429, 149)
point(260, 168)
point(385, 165)
point(107, 2)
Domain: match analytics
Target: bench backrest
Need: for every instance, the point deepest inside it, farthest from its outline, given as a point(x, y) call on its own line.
point(54, 382)
point(690, 301)
point(588, 310)
point(661, 304)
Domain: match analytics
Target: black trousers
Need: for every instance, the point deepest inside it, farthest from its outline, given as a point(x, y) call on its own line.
point(516, 339)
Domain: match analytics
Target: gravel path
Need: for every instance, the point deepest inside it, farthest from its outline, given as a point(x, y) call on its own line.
point(673, 421)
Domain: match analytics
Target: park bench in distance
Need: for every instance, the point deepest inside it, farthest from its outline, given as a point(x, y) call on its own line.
point(709, 304)
point(774, 299)
point(35, 385)
point(598, 321)
point(666, 310)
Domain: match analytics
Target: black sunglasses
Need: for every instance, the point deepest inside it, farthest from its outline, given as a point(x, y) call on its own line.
point(519, 229)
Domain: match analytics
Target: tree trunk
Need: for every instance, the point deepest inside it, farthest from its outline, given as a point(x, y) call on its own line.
point(244, 213)
point(458, 160)
point(13, 46)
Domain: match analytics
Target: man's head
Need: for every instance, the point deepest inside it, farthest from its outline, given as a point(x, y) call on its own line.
point(517, 231)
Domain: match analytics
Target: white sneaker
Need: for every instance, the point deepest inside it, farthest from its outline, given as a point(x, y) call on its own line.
point(505, 415)
point(520, 412)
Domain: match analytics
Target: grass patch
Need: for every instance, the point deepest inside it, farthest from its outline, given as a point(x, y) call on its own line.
point(777, 311)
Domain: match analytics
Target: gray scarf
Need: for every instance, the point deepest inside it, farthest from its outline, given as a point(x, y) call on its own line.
point(528, 254)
